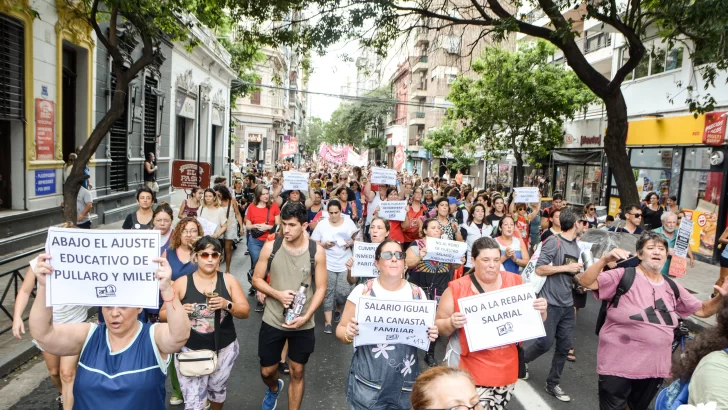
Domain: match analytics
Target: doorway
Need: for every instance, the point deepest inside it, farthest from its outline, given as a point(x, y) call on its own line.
point(213, 149)
point(181, 136)
point(68, 133)
point(5, 166)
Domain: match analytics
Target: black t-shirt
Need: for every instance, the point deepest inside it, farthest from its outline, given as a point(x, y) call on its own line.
point(494, 218)
point(249, 194)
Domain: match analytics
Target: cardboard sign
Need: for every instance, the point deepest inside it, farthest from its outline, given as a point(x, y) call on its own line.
point(445, 251)
point(501, 317)
point(384, 176)
point(386, 322)
point(103, 268)
point(208, 227)
point(185, 174)
point(364, 260)
point(679, 261)
point(393, 210)
point(295, 180)
point(528, 195)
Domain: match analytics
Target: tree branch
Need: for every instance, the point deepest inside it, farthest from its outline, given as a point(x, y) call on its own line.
point(110, 48)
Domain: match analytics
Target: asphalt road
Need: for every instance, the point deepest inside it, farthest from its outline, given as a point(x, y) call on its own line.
point(328, 367)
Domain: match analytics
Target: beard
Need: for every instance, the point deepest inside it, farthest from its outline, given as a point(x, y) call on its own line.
point(668, 230)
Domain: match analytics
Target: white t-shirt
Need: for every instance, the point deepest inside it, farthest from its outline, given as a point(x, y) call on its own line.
point(405, 293)
point(336, 256)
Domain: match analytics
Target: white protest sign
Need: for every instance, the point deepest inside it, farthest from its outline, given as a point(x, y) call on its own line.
point(528, 195)
point(295, 180)
point(445, 251)
point(393, 210)
point(384, 176)
point(501, 317)
point(383, 322)
point(364, 260)
point(103, 268)
point(208, 227)
point(679, 261)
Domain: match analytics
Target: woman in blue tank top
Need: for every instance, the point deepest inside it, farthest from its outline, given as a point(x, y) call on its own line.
point(123, 362)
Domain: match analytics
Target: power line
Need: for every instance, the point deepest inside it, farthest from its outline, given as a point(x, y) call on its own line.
point(348, 97)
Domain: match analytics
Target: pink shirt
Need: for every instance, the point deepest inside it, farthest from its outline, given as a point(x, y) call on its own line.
point(636, 340)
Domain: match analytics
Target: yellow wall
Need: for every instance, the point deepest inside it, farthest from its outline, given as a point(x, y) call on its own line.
point(684, 129)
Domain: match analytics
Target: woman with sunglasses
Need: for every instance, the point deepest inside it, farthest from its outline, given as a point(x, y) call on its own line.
point(495, 371)
point(388, 370)
point(514, 253)
point(211, 299)
point(635, 342)
point(432, 276)
point(590, 215)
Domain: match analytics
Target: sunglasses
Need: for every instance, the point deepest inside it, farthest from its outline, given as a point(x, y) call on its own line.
point(636, 215)
point(389, 255)
point(592, 209)
point(207, 255)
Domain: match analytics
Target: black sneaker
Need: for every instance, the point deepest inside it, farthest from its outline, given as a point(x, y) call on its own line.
point(430, 360)
point(259, 307)
point(327, 329)
point(557, 392)
point(525, 376)
point(337, 317)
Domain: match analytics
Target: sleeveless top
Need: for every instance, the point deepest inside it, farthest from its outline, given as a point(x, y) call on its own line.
point(413, 232)
point(203, 319)
point(491, 367)
point(349, 210)
point(288, 272)
point(131, 378)
point(178, 267)
point(381, 377)
point(433, 276)
point(149, 176)
point(515, 245)
point(135, 222)
point(189, 211)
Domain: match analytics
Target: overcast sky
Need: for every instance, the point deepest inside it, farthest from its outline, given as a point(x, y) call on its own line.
point(329, 75)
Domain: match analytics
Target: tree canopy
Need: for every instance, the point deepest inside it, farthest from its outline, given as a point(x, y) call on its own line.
point(353, 119)
point(518, 102)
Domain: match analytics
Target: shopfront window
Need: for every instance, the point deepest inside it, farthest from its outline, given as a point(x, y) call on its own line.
point(700, 197)
point(575, 183)
point(560, 181)
point(591, 191)
point(652, 169)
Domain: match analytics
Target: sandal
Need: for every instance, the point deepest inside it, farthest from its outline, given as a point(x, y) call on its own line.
point(570, 356)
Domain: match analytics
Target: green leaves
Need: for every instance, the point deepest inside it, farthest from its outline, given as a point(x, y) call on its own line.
point(354, 119)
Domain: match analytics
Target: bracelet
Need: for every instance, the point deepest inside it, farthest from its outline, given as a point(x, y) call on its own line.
point(346, 338)
point(174, 294)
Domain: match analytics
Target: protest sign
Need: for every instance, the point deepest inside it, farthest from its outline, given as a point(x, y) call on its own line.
point(383, 322)
point(529, 272)
point(103, 268)
point(295, 180)
point(393, 210)
point(527, 195)
point(364, 260)
point(445, 251)
point(384, 176)
point(501, 317)
point(208, 227)
point(679, 261)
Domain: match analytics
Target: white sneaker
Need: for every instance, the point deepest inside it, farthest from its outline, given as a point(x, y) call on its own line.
point(175, 401)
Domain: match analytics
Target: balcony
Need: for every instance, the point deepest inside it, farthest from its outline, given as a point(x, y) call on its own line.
point(420, 65)
point(417, 118)
point(417, 93)
point(421, 37)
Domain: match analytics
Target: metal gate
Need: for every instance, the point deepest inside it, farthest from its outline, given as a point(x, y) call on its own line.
point(150, 115)
point(12, 55)
point(117, 145)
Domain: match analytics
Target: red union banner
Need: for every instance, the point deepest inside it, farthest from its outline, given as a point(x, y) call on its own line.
point(184, 174)
point(330, 154)
point(399, 157)
point(289, 148)
point(715, 125)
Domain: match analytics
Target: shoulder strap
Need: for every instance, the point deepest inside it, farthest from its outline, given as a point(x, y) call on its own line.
point(368, 288)
point(312, 256)
point(624, 285)
point(674, 287)
point(475, 282)
point(276, 246)
point(218, 313)
point(416, 295)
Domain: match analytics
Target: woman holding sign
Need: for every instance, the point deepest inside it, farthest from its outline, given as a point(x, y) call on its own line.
point(211, 211)
point(379, 232)
point(123, 346)
point(395, 226)
point(448, 225)
point(495, 370)
point(381, 376)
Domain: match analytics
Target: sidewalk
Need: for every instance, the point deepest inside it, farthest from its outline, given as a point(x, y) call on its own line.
point(14, 352)
point(699, 281)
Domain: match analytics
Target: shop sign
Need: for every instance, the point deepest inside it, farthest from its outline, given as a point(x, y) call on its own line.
point(45, 135)
point(595, 140)
point(184, 174)
point(186, 106)
point(255, 137)
point(45, 182)
point(715, 125)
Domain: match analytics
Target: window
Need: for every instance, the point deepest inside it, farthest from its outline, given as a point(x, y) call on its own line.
point(657, 60)
point(623, 60)
point(597, 42)
point(255, 98)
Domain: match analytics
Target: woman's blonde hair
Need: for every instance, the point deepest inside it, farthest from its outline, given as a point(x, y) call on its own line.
point(419, 398)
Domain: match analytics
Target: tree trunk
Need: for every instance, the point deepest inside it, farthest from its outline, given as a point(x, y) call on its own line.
point(615, 146)
point(73, 183)
point(519, 169)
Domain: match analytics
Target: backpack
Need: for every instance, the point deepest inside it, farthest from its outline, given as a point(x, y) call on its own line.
point(311, 252)
point(624, 285)
point(674, 395)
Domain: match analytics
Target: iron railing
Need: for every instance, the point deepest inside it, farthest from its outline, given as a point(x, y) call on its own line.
point(14, 282)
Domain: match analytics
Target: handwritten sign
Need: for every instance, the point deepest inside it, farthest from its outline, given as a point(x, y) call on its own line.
point(103, 268)
point(208, 227)
point(295, 180)
point(386, 322)
point(393, 210)
point(384, 176)
point(364, 260)
point(445, 251)
point(501, 317)
point(679, 261)
point(528, 195)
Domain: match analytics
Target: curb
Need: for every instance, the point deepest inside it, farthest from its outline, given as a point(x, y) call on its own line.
point(21, 353)
point(696, 324)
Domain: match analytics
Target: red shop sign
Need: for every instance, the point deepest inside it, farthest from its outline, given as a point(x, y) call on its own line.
point(715, 125)
point(184, 174)
point(45, 135)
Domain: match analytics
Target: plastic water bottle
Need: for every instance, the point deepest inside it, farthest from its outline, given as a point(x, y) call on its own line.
point(296, 307)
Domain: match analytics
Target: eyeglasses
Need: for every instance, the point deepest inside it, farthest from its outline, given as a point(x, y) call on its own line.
point(207, 255)
point(636, 215)
point(592, 209)
point(190, 232)
point(388, 255)
point(476, 406)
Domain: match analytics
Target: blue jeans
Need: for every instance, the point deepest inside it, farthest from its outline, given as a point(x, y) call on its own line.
point(254, 246)
point(559, 325)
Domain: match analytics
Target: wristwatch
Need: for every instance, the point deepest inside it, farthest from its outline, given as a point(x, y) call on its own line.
point(229, 306)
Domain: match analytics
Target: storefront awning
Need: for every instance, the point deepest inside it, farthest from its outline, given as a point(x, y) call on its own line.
point(578, 157)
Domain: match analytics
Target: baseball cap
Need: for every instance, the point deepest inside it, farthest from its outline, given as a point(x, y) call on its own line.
point(452, 201)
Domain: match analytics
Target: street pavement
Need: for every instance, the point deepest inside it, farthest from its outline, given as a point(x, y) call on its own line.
point(328, 367)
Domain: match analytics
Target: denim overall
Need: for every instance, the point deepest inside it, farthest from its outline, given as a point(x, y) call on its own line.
point(381, 376)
